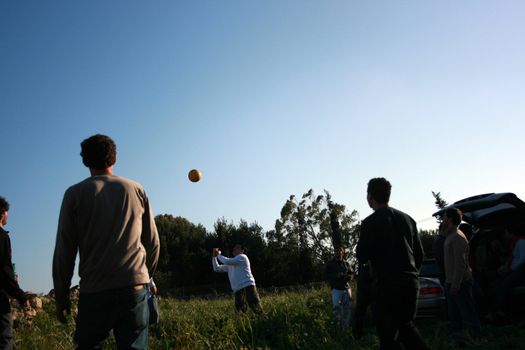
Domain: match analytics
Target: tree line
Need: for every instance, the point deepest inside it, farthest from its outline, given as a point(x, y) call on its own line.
point(293, 252)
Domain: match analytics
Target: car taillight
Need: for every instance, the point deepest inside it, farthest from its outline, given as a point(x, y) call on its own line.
point(429, 290)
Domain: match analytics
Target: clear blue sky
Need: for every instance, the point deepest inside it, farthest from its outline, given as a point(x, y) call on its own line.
point(266, 98)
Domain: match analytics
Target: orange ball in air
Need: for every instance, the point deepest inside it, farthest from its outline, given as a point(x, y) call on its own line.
point(194, 175)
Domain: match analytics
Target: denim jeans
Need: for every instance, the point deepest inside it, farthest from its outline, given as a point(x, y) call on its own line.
point(124, 310)
point(6, 322)
point(342, 306)
point(6, 331)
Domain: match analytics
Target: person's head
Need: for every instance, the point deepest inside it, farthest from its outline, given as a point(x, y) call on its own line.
point(4, 208)
point(98, 152)
point(378, 192)
point(452, 217)
point(238, 249)
point(339, 252)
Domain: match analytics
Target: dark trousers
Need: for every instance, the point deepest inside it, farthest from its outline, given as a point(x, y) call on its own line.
point(462, 309)
point(395, 313)
point(248, 295)
point(504, 285)
point(6, 331)
point(365, 297)
point(6, 322)
point(124, 310)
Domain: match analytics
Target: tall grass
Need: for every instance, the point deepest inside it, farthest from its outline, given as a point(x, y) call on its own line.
point(292, 320)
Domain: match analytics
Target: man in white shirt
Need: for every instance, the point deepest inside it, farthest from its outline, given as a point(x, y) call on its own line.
point(240, 276)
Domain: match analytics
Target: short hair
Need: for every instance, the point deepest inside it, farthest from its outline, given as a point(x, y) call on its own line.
point(455, 214)
point(4, 205)
point(242, 246)
point(98, 152)
point(379, 188)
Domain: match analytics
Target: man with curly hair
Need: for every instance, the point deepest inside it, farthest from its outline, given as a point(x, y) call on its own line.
point(8, 283)
point(108, 220)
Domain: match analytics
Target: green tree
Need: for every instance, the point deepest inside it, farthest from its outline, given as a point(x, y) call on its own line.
point(251, 236)
point(184, 256)
point(308, 229)
point(427, 240)
point(439, 201)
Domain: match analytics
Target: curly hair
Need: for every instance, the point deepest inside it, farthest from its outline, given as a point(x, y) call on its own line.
point(379, 188)
point(98, 152)
point(4, 205)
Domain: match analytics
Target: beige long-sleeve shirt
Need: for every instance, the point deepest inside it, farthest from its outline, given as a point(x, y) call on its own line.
point(108, 220)
point(456, 251)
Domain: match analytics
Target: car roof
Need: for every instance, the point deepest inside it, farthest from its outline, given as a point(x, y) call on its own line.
point(490, 210)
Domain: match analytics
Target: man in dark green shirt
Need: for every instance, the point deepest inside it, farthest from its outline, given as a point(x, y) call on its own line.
point(338, 274)
point(389, 241)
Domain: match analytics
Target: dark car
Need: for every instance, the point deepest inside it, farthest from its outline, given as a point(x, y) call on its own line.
point(490, 214)
point(490, 211)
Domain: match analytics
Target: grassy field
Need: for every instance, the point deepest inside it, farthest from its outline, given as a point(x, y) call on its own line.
point(292, 320)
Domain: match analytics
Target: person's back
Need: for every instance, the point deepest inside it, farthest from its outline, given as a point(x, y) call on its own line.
point(107, 216)
point(389, 241)
point(394, 248)
point(108, 220)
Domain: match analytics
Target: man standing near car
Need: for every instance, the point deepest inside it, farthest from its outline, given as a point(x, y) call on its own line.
point(108, 220)
point(458, 276)
point(338, 273)
point(389, 240)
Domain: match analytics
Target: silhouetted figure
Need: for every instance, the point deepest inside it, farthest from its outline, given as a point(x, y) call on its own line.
point(339, 273)
point(390, 241)
point(462, 309)
point(8, 283)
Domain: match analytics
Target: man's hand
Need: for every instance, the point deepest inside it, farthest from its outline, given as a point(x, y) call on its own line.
point(216, 251)
point(62, 314)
